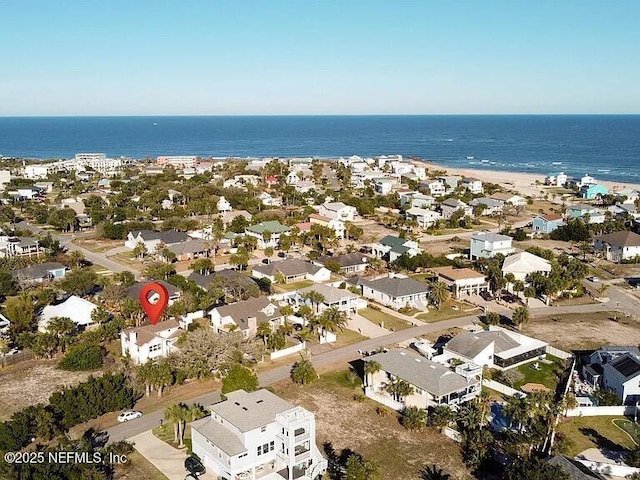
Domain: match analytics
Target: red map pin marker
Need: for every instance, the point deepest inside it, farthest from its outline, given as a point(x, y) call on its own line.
point(154, 299)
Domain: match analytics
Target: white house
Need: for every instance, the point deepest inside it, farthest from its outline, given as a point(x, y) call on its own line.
point(397, 292)
point(452, 205)
point(151, 239)
point(425, 218)
point(150, 341)
point(619, 246)
point(350, 263)
point(333, 297)
point(338, 226)
point(556, 179)
point(223, 205)
point(389, 248)
point(338, 211)
point(258, 435)
point(270, 201)
point(622, 375)
point(436, 188)
point(491, 206)
point(267, 234)
point(433, 384)
point(488, 245)
point(522, 264)
point(245, 316)
point(77, 309)
point(383, 185)
point(494, 348)
point(515, 200)
point(473, 185)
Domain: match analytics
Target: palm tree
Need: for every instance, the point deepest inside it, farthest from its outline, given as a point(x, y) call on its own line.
point(286, 311)
point(61, 328)
point(440, 416)
point(139, 251)
point(439, 293)
point(316, 298)
point(510, 278)
point(520, 316)
point(433, 472)
point(306, 313)
point(332, 320)
point(518, 286)
point(304, 335)
point(492, 318)
point(264, 330)
point(176, 414)
point(529, 292)
point(413, 418)
point(604, 288)
point(399, 389)
point(371, 367)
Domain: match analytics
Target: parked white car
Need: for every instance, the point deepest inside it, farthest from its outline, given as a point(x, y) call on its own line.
point(130, 415)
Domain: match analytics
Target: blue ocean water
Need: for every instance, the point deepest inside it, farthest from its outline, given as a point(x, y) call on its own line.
point(606, 146)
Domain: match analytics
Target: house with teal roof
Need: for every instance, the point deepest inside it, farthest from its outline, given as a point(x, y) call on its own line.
point(267, 233)
point(592, 191)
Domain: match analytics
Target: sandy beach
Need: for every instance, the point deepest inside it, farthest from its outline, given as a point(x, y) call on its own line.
point(522, 182)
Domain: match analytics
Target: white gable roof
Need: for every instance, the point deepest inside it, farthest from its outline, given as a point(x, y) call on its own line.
point(77, 309)
point(525, 262)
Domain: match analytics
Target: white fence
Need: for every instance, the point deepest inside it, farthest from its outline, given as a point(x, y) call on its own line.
point(288, 351)
point(611, 469)
point(383, 399)
point(454, 435)
point(557, 352)
point(502, 388)
point(612, 411)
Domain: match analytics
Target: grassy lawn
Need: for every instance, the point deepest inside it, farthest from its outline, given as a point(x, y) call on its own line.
point(630, 427)
point(127, 260)
point(100, 269)
point(348, 421)
point(139, 467)
point(545, 375)
point(97, 246)
point(389, 321)
point(290, 287)
point(165, 433)
point(594, 432)
point(445, 313)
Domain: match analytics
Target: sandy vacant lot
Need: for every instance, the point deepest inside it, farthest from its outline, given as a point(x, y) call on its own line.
point(348, 423)
point(32, 382)
point(582, 331)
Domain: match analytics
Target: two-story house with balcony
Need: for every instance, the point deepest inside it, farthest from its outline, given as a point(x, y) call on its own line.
point(258, 435)
point(150, 341)
point(488, 245)
point(338, 211)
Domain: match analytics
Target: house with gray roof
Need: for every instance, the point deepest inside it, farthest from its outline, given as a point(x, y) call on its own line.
point(134, 290)
point(491, 206)
point(245, 316)
point(389, 248)
point(397, 291)
point(258, 435)
point(489, 244)
point(151, 239)
point(615, 368)
point(350, 263)
point(494, 348)
point(433, 383)
point(39, 273)
point(292, 270)
point(333, 297)
point(452, 205)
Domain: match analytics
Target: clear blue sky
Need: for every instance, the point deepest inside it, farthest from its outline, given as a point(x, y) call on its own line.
point(136, 57)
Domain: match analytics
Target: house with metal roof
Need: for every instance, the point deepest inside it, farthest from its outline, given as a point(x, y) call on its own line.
point(432, 383)
point(522, 264)
point(389, 248)
point(258, 435)
point(461, 280)
point(494, 348)
point(397, 291)
point(267, 234)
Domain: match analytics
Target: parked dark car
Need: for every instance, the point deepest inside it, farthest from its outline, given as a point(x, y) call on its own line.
point(194, 466)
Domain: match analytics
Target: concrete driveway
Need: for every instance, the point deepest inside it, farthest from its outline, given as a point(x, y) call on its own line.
point(169, 460)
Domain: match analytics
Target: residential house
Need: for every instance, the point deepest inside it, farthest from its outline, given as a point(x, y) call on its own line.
point(270, 201)
point(586, 180)
point(494, 348)
point(292, 270)
point(29, 193)
point(39, 273)
point(204, 280)
point(436, 188)
point(522, 264)
point(629, 195)
point(228, 217)
point(586, 212)
point(389, 248)
point(267, 233)
point(574, 468)
point(350, 263)
point(149, 342)
point(258, 435)
point(397, 292)
point(304, 186)
point(245, 316)
point(196, 248)
point(20, 247)
point(546, 223)
point(223, 205)
point(333, 297)
point(592, 191)
point(151, 239)
point(452, 205)
point(77, 309)
point(461, 280)
point(473, 185)
point(338, 211)
point(433, 384)
point(515, 200)
point(619, 246)
point(488, 245)
point(420, 200)
point(134, 291)
point(383, 185)
point(337, 226)
point(451, 181)
point(425, 218)
point(491, 206)
point(556, 179)
point(593, 370)
point(622, 375)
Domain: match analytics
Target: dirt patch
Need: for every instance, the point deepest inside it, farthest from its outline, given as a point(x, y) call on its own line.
point(373, 231)
point(30, 383)
point(584, 331)
point(347, 422)
point(98, 245)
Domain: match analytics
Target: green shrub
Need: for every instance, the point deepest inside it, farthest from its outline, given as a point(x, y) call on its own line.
point(84, 356)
